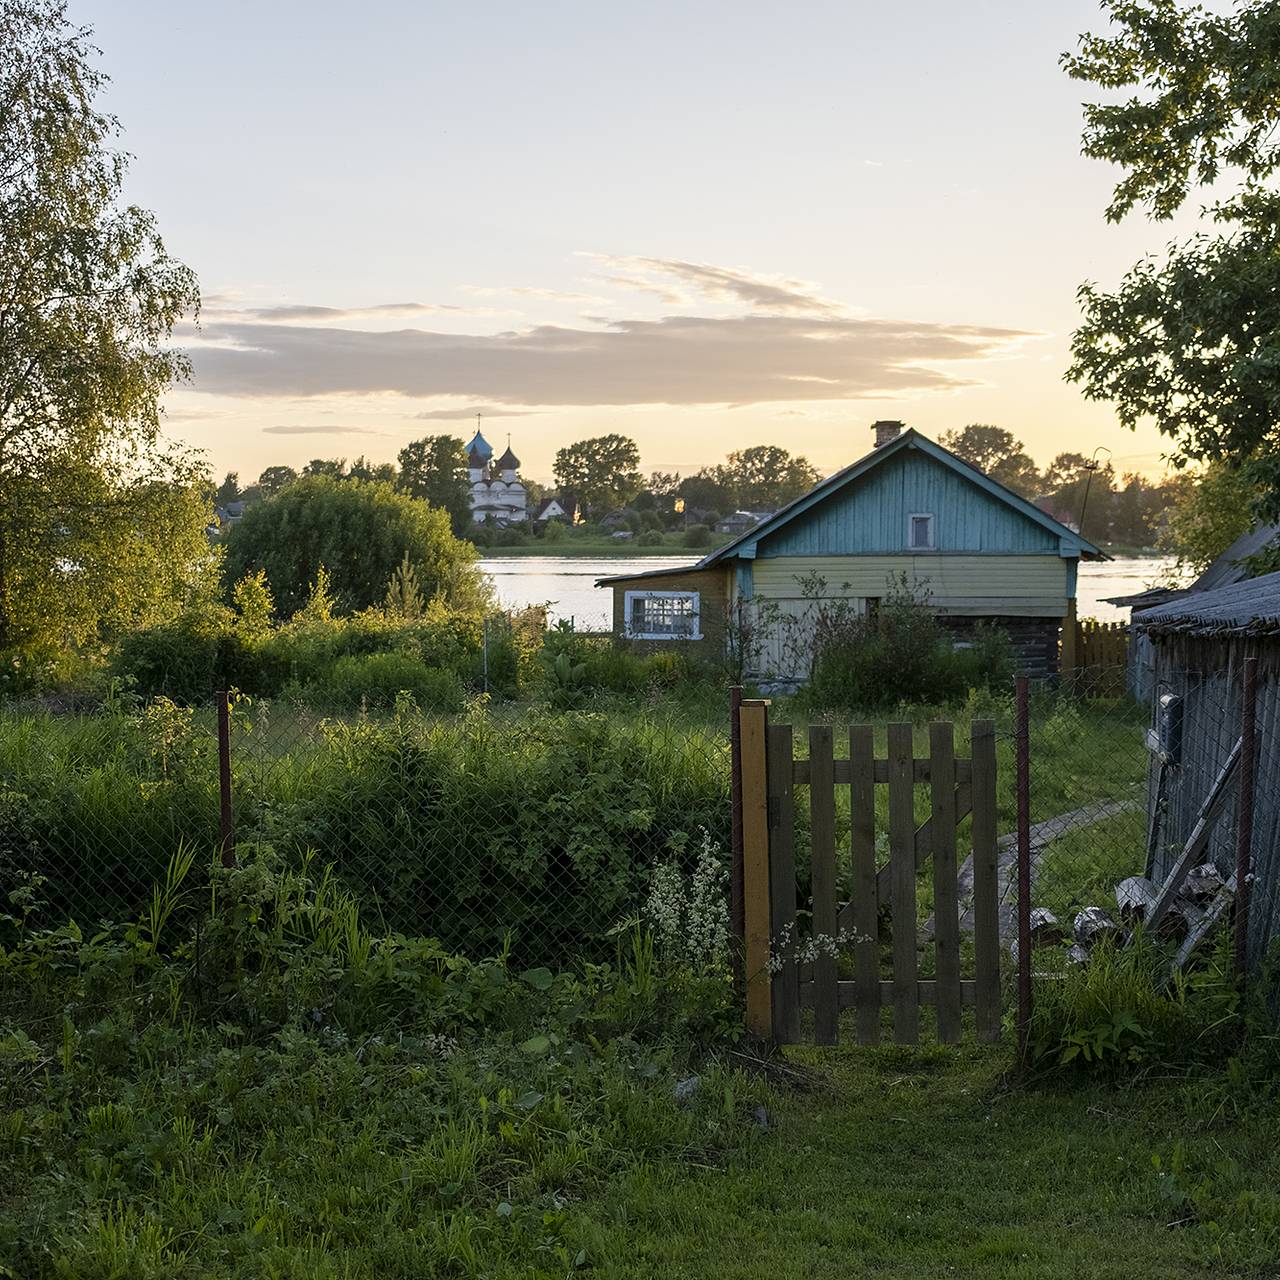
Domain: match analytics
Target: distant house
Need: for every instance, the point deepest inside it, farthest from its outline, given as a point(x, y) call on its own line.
point(910, 511)
point(614, 520)
point(562, 507)
point(739, 522)
point(1199, 641)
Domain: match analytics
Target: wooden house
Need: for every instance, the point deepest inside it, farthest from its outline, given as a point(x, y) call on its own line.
point(910, 512)
point(1199, 642)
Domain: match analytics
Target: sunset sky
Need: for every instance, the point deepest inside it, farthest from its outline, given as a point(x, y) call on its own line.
point(704, 225)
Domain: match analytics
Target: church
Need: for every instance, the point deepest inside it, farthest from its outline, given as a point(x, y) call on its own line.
point(497, 495)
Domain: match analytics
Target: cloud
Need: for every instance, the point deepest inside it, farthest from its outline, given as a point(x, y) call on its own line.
point(486, 410)
point(678, 359)
point(774, 294)
point(528, 291)
point(288, 430)
point(302, 313)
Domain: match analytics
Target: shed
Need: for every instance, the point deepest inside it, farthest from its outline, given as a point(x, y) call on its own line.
point(909, 512)
point(1199, 642)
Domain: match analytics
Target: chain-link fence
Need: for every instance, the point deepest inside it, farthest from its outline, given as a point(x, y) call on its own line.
point(514, 826)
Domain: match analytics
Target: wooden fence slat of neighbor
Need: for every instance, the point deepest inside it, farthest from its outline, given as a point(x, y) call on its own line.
point(866, 901)
point(781, 887)
point(957, 788)
point(986, 889)
point(753, 723)
point(946, 904)
point(902, 856)
point(822, 842)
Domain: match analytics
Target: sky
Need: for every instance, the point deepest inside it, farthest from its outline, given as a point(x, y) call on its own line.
point(703, 224)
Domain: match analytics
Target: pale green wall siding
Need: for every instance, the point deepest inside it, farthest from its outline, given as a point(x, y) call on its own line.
point(870, 516)
point(979, 585)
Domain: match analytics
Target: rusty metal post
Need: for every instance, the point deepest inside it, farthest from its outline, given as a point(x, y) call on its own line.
point(1244, 821)
point(1022, 740)
point(226, 825)
point(736, 902)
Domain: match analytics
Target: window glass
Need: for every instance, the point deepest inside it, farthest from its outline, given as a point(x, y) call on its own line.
point(921, 531)
point(660, 615)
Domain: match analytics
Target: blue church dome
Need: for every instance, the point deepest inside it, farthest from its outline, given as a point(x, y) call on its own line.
point(480, 447)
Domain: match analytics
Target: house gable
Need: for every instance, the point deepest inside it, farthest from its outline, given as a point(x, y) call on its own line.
point(872, 516)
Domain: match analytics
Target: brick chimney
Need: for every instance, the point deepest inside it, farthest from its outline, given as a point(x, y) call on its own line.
point(886, 430)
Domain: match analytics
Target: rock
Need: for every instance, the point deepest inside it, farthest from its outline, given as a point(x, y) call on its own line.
point(1092, 925)
point(1135, 897)
point(761, 1117)
point(1181, 918)
point(1202, 883)
point(686, 1088)
point(1076, 954)
point(1046, 929)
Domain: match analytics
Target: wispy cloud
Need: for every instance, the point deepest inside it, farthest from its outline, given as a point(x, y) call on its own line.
point(303, 430)
point(679, 359)
point(485, 410)
point(768, 293)
point(529, 291)
point(304, 313)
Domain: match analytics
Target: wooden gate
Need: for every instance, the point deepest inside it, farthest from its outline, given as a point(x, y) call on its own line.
point(857, 894)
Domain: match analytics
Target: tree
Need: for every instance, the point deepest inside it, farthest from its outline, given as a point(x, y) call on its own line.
point(766, 477)
point(1076, 487)
point(228, 490)
point(603, 473)
point(434, 469)
point(1191, 343)
point(359, 532)
point(101, 521)
point(366, 469)
point(1207, 510)
point(708, 490)
point(997, 453)
point(273, 479)
point(334, 468)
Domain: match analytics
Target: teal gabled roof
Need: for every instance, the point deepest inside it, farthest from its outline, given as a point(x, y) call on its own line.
point(744, 546)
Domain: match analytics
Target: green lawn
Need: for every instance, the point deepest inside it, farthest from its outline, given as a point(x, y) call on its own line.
point(928, 1163)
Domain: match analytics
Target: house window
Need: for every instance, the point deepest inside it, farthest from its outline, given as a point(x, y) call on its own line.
point(920, 532)
point(662, 615)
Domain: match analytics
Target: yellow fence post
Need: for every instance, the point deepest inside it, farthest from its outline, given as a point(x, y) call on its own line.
point(753, 718)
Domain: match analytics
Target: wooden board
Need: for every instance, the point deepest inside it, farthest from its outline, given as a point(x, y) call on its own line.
point(920, 770)
point(926, 993)
point(822, 840)
point(752, 719)
point(902, 855)
point(986, 888)
point(946, 906)
point(782, 884)
point(865, 900)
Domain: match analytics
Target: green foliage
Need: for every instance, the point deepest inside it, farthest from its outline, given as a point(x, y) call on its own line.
point(900, 653)
point(434, 469)
point(1190, 343)
point(1210, 509)
point(1121, 1010)
point(404, 599)
point(360, 531)
point(554, 531)
point(996, 452)
point(602, 473)
point(381, 680)
point(263, 1085)
point(101, 523)
point(697, 535)
point(254, 607)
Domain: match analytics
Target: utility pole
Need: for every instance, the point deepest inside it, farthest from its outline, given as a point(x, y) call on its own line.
point(1090, 467)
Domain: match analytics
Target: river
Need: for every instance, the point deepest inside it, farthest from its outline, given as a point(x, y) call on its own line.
point(567, 583)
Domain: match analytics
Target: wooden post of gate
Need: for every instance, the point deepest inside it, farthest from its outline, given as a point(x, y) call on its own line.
point(753, 720)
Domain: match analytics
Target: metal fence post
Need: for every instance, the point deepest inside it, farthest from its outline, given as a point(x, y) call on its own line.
point(226, 824)
point(1022, 738)
point(1244, 823)
point(736, 915)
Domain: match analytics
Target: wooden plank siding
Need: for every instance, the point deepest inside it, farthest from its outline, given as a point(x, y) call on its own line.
point(870, 516)
point(711, 584)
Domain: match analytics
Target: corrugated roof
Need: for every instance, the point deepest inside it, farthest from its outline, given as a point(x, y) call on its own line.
point(1251, 607)
point(1227, 568)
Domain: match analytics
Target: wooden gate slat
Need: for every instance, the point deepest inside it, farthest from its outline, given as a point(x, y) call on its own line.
point(822, 839)
point(926, 993)
point(782, 884)
point(986, 889)
point(865, 901)
point(902, 853)
point(946, 905)
point(752, 721)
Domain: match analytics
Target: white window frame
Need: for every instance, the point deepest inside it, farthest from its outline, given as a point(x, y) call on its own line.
point(912, 545)
point(693, 597)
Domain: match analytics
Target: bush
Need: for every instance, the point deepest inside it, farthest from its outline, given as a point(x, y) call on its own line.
point(379, 680)
point(554, 531)
point(900, 653)
point(184, 659)
point(650, 538)
point(697, 535)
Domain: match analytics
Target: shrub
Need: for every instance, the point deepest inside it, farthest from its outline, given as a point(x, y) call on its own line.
point(650, 538)
point(554, 531)
point(378, 680)
point(183, 659)
point(697, 535)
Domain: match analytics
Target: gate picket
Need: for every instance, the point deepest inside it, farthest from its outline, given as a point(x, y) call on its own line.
point(782, 885)
point(822, 869)
point(986, 890)
point(866, 904)
point(902, 853)
point(946, 905)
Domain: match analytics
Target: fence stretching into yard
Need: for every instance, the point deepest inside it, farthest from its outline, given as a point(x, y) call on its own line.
point(796, 975)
